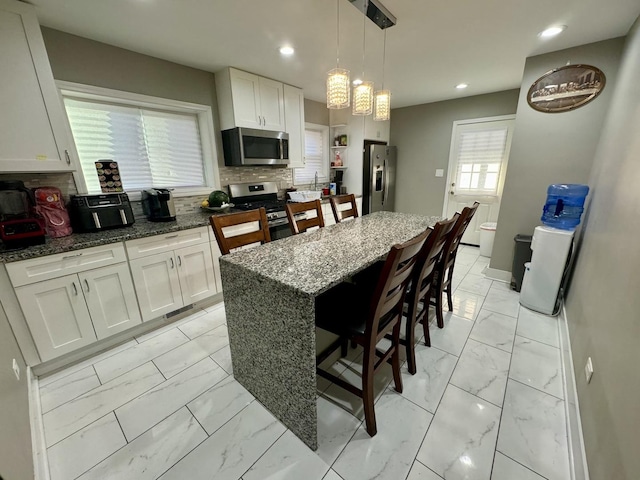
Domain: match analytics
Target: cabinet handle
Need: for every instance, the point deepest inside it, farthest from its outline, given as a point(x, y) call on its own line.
point(179, 261)
point(171, 236)
point(72, 256)
point(67, 157)
point(172, 264)
point(86, 282)
point(75, 289)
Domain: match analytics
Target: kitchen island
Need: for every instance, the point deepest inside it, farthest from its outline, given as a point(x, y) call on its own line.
point(270, 294)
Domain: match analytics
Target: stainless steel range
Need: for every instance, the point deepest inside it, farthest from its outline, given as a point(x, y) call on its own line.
point(250, 196)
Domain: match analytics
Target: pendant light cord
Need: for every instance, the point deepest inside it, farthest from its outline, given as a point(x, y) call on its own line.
point(338, 34)
point(384, 55)
point(364, 38)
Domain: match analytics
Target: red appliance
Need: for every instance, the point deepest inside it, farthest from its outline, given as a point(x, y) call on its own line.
point(50, 207)
point(19, 226)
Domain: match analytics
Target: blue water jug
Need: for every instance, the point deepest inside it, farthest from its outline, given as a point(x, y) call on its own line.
point(565, 204)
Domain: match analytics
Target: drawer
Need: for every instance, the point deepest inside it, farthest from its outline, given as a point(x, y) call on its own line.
point(54, 266)
point(143, 247)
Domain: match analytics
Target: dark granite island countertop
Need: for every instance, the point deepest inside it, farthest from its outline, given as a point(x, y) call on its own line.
point(270, 294)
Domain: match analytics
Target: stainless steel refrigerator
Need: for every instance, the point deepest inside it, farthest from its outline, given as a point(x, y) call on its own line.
point(379, 179)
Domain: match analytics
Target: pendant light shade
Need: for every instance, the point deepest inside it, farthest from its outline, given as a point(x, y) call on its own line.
point(338, 89)
point(382, 111)
point(363, 99)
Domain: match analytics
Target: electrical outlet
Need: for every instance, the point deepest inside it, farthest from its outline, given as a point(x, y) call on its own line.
point(16, 369)
point(439, 172)
point(588, 369)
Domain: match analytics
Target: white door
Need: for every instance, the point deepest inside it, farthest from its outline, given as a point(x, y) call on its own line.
point(245, 93)
point(294, 124)
point(111, 299)
point(157, 284)
point(57, 316)
point(195, 269)
point(272, 105)
point(477, 168)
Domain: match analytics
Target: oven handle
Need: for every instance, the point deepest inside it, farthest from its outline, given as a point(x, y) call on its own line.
point(281, 144)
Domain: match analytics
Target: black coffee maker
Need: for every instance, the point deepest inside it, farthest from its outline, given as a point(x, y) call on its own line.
point(338, 181)
point(157, 205)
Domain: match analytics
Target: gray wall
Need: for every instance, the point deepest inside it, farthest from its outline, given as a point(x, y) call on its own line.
point(16, 461)
point(316, 112)
point(422, 134)
point(550, 148)
point(603, 302)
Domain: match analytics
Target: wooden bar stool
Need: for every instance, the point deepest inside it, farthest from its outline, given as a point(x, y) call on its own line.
point(366, 316)
point(351, 212)
point(228, 243)
point(301, 226)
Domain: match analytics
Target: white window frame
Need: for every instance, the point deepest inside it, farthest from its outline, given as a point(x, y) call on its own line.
point(205, 124)
point(324, 175)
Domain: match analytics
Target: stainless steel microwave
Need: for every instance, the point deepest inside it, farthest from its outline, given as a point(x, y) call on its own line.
point(248, 146)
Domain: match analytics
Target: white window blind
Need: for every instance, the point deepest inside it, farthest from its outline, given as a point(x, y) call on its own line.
point(153, 148)
point(316, 156)
point(480, 153)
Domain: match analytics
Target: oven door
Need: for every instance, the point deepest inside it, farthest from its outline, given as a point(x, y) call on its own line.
point(279, 229)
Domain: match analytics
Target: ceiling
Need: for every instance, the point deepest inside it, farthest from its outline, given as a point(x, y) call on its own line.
point(435, 45)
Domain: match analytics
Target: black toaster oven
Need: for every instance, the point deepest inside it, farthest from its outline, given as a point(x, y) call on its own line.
point(91, 213)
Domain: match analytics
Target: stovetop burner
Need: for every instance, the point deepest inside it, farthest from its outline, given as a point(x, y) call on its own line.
point(269, 205)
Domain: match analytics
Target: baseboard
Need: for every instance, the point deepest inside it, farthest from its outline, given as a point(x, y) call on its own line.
point(577, 453)
point(495, 274)
point(38, 444)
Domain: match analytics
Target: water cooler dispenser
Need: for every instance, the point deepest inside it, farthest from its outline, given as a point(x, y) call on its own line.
point(551, 246)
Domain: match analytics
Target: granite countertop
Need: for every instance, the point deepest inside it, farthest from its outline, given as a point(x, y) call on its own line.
point(76, 241)
point(315, 261)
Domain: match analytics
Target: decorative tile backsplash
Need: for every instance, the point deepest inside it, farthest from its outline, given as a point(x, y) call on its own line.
point(64, 181)
point(282, 176)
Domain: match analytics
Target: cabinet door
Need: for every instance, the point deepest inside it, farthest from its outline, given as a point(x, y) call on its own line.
point(157, 284)
point(272, 104)
point(215, 255)
point(359, 205)
point(33, 135)
point(112, 302)
point(328, 214)
point(195, 269)
point(294, 124)
point(245, 91)
point(57, 316)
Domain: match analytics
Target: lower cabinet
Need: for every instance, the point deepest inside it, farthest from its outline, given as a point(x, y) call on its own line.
point(72, 311)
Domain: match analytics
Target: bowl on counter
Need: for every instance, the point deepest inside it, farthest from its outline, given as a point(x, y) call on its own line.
point(305, 195)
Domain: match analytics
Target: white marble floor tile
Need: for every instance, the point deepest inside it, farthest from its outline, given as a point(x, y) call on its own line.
point(219, 404)
point(54, 377)
point(152, 453)
point(502, 301)
point(67, 388)
point(504, 286)
point(390, 454)
point(185, 355)
point(476, 284)
point(215, 306)
point(229, 452)
point(537, 365)
point(420, 472)
point(461, 440)
point(223, 358)
point(150, 408)
point(466, 257)
point(70, 417)
point(332, 475)
point(533, 431)
point(169, 324)
point(495, 329)
point(288, 459)
point(465, 304)
point(453, 336)
point(335, 429)
point(539, 327)
point(426, 387)
point(79, 452)
point(480, 266)
point(506, 469)
point(131, 358)
point(460, 270)
point(204, 323)
point(482, 370)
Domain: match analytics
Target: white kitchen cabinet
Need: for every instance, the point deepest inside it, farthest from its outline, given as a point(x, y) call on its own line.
point(110, 297)
point(329, 219)
point(294, 124)
point(196, 273)
point(33, 124)
point(248, 100)
point(359, 205)
point(57, 315)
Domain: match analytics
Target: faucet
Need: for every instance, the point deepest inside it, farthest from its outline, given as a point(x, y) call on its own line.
point(315, 182)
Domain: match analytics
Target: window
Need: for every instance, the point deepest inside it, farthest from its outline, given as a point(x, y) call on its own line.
point(316, 155)
point(155, 144)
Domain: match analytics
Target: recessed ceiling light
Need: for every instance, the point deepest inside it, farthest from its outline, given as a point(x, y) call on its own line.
point(552, 31)
point(357, 81)
point(286, 50)
point(461, 86)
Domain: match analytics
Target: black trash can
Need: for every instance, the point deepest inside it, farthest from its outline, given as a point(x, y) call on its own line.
point(521, 255)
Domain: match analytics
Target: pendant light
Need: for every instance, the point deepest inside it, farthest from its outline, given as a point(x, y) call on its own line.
point(382, 111)
point(338, 81)
point(363, 92)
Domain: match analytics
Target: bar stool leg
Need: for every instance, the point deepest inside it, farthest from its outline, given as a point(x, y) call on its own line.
point(395, 358)
point(367, 393)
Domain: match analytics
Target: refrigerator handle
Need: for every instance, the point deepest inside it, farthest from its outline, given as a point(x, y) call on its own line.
point(385, 187)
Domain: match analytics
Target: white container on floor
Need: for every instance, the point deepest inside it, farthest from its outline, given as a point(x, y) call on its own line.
point(487, 234)
point(543, 275)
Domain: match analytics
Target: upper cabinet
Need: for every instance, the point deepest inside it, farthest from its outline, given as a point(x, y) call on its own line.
point(33, 124)
point(294, 125)
point(248, 100)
